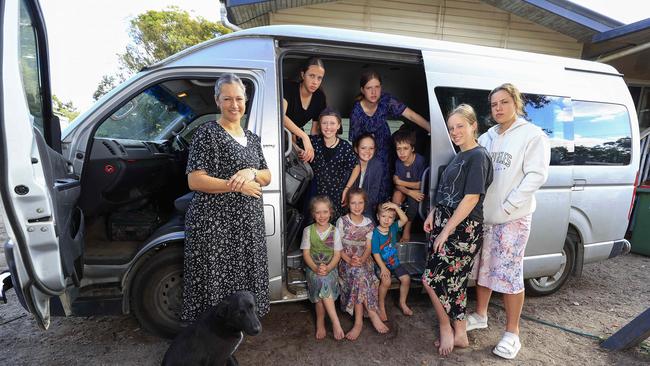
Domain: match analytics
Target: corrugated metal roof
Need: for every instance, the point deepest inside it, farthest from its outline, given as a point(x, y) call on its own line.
point(559, 15)
point(600, 32)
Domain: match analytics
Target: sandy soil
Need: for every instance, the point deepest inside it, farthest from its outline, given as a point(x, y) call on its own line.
point(608, 295)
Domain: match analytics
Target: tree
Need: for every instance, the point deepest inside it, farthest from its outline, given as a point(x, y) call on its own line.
point(67, 110)
point(156, 35)
point(107, 84)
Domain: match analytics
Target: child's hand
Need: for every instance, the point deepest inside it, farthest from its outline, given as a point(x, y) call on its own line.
point(428, 223)
point(356, 261)
point(416, 195)
point(344, 196)
point(322, 269)
point(307, 154)
point(390, 205)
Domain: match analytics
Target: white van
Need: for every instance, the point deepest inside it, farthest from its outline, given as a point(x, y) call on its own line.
point(93, 214)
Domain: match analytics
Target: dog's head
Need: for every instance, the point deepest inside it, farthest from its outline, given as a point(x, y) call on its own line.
point(238, 311)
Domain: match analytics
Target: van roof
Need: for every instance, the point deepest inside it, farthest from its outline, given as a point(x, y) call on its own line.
point(314, 33)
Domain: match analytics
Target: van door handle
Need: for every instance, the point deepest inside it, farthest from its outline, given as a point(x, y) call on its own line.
point(579, 184)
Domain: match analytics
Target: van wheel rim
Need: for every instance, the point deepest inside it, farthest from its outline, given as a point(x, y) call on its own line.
point(169, 295)
point(550, 281)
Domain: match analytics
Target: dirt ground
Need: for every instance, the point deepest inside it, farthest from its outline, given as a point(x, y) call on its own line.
point(608, 295)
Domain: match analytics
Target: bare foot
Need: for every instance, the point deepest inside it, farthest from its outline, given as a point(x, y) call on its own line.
point(338, 332)
point(380, 327)
point(382, 314)
point(320, 332)
point(460, 340)
point(446, 342)
point(353, 334)
point(406, 310)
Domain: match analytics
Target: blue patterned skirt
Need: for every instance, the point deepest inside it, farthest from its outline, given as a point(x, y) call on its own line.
point(322, 287)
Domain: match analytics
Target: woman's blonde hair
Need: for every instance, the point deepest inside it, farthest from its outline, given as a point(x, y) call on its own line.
point(514, 93)
point(466, 112)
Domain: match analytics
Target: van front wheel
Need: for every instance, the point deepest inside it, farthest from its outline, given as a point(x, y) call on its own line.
point(542, 286)
point(157, 293)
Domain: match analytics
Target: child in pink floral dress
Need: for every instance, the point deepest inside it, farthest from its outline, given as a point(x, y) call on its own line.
point(358, 283)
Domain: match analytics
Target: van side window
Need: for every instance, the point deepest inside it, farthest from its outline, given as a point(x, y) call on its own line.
point(450, 98)
point(552, 114)
point(29, 67)
point(603, 135)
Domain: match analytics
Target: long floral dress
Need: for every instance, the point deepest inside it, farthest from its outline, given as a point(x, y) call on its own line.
point(447, 271)
point(358, 284)
point(377, 125)
point(225, 246)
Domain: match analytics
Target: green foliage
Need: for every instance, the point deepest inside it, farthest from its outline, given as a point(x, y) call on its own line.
point(107, 84)
point(67, 110)
point(157, 34)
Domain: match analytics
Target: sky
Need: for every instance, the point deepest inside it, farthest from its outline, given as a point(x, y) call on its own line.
point(85, 36)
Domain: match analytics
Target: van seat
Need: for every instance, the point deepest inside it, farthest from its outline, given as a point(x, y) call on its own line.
point(183, 201)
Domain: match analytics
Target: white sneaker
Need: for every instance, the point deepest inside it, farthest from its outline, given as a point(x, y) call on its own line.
point(475, 321)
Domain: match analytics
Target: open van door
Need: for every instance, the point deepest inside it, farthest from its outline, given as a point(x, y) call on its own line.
point(38, 187)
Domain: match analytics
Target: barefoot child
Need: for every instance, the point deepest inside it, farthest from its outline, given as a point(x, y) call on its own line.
point(383, 241)
point(408, 170)
point(359, 285)
point(321, 250)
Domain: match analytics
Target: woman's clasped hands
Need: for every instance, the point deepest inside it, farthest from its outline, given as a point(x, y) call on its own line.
point(244, 182)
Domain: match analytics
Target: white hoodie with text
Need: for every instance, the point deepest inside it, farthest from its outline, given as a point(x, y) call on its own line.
point(521, 158)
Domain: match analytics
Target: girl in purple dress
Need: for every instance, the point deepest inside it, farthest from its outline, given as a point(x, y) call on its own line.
point(370, 114)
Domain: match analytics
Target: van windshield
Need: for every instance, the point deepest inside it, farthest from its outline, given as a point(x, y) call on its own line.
point(147, 117)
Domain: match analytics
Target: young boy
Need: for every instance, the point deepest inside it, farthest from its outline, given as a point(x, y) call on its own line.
point(408, 170)
point(383, 244)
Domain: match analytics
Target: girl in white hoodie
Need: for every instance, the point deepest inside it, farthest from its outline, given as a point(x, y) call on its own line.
point(520, 153)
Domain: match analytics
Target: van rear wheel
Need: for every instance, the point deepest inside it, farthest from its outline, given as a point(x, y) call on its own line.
point(542, 286)
point(157, 293)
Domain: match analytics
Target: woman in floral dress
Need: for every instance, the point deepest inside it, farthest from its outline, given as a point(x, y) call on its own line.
point(456, 226)
point(225, 246)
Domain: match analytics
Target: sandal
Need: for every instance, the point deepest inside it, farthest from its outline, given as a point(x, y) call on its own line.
point(508, 346)
point(475, 321)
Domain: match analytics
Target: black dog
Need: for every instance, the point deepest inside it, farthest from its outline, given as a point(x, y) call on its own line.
point(214, 338)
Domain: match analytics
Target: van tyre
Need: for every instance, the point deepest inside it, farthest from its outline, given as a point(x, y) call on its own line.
point(542, 286)
point(157, 293)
